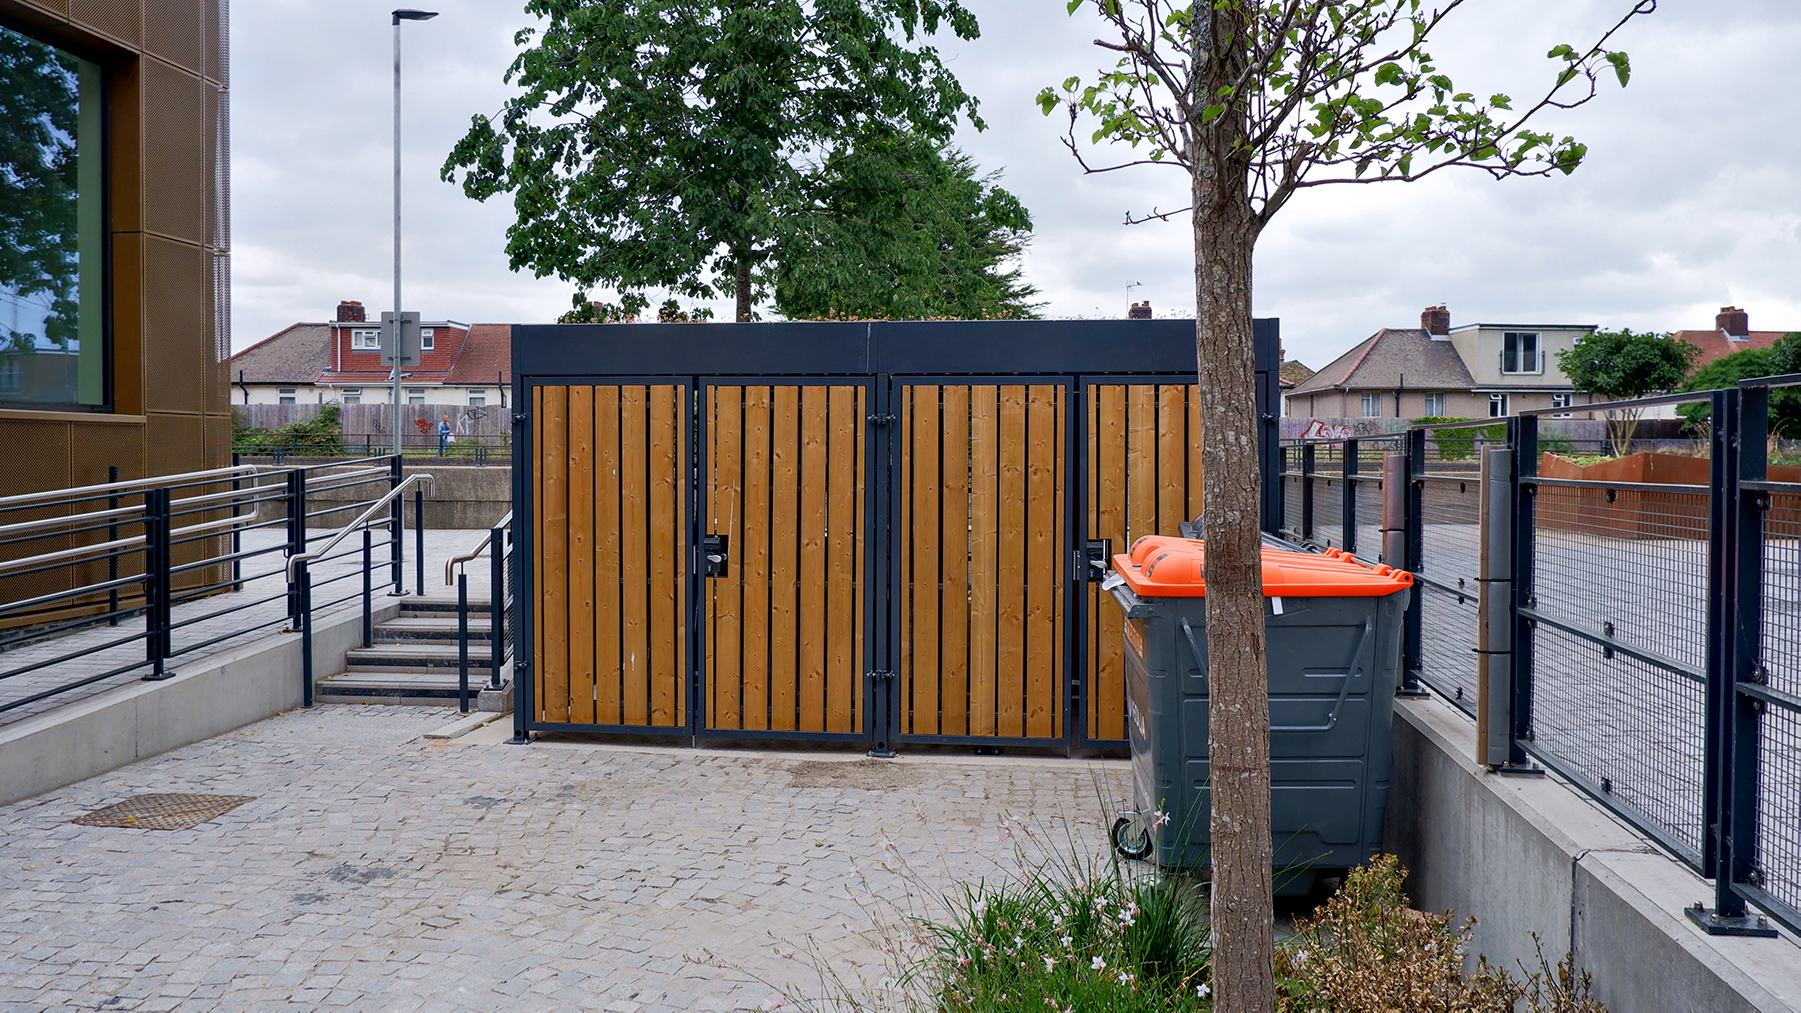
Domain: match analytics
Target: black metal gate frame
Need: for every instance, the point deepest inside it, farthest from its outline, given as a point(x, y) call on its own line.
point(1073, 353)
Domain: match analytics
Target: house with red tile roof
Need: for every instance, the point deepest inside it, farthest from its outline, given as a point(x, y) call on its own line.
point(1731, 333)
point(340, 360)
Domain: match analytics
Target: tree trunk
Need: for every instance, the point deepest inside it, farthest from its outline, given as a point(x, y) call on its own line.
point(741, 258)
point(1243, 916)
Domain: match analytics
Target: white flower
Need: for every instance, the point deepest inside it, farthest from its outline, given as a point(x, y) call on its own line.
point(1056, 918)
point(1300, 956)
point(1201, 991)
point(1065, 940)
point(1124, 978)
point(1159, 819)
point(1127, 919)
point(1098, 963)
point(1049, 963)
point(1019, 940)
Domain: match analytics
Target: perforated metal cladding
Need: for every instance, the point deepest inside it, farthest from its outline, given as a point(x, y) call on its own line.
point(174, 31)
point(121, 19)
point(56, 6)
point(178, 443)
point(180, 360)
point(47, 444)
point(218, 104)
point(177, 163)
point(218, 40)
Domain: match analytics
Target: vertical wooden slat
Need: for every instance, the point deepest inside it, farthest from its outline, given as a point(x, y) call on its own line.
point(1141, 460)
point(725, 498)
point(756, 558)
point(923, 547)
point(1193, 439)
point(607, 548)
point(1040, 537)
point(953, 621)
point(664, 566)
point(541, 573)
point(1106, 681)
point(814, 607)
point(553, 593)
point(1172, 458)
point(860, 660)
point(1060, 476)
point(1010, 593)
point(634, 611)
point(784, 537)
point(984, 559)
point(902, 556)
point(844, 506)
point(580, 457)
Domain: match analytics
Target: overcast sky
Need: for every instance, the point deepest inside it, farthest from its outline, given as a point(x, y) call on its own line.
point(1690, 198)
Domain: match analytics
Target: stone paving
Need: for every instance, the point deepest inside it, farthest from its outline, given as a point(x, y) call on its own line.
point(377, 870)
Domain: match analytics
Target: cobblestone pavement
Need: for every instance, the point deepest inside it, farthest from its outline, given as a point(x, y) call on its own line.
point(258, 610)
point(377, 870)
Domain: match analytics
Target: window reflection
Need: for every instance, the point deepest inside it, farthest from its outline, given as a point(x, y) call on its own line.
point(52, 227)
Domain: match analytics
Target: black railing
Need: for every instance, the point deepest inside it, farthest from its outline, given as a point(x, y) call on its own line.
point(132, 554)
point(1638, 634)
point(501, 563)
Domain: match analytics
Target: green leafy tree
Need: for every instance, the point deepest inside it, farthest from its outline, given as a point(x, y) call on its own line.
point(901, 229)
point(1621, 365)
point(1254, 101)
point(39, 94)
point(674, 143)
point(1785, 402)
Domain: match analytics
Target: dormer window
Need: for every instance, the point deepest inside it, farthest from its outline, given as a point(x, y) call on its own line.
point(426, 339)
point(365, 339)
point(1520, 352)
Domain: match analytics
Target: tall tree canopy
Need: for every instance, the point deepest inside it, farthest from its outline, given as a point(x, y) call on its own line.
point(902, 230)
point(1255, 100)
point(1620, 365)
point(681, 144)
point(1726, 371)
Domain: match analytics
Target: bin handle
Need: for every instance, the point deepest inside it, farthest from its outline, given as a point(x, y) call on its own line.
point(1344, 688)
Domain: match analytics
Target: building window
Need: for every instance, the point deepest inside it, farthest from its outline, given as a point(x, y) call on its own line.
point(1562, 401)
point(1372, 406)
point(353, 395)
point(1435, 405)
point(427, 340)
point(415, 395)
point(478, 398)
point(1520, 353)
point(12, 375)
point(52, 227)
point(1497, 406)
point(284, 395)
point(365, 339)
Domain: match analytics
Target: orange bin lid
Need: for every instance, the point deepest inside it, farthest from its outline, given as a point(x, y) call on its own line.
point(1159, 566)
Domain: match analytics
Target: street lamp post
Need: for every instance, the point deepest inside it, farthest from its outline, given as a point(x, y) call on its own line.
point(394, 337)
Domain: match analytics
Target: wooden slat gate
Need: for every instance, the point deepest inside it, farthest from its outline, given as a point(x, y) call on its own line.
point(890, 557)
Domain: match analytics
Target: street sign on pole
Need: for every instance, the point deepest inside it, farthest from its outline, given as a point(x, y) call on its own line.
point(409, 338)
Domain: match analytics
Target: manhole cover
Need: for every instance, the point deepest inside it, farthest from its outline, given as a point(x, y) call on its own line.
point(163, 811)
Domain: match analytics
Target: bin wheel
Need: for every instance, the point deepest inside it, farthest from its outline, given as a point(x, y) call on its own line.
point(1131, 837)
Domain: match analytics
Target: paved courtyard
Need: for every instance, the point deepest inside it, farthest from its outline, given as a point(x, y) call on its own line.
point(375, 869)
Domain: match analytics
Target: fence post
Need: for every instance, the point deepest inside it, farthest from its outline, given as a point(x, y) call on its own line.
point(1279, 509)
point(303, 579)
point(1394, 510)
point(1494, 610)
point(1307, 455)
point(157, 586)
point(396, 528)
point(497, 604)
point(1522, 438)
point(237, 533)
point(112, 555)
point(296, 506)
point(419, 537)
point(1414, 516)
point(463, 641)
point(1348, 470)
point(368, 590)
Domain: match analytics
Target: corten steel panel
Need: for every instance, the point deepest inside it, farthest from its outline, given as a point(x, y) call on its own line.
point(1144, 478)
point(981, 484)
point(121, 19)
point(217, 29)
point(180, 361)
point(128, 352)
point(47, 444)
point(53, 6)
point(177, 444)
point(177, 163)
point(173, 31)
point(125, 148)
point(784, 480)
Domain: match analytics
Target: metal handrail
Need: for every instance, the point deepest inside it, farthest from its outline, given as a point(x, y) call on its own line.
point(453, 562)
point(115, 488)
point(297, 559)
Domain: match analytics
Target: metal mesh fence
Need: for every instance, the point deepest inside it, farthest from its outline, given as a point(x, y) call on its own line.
point(1781, 649)
point(1369, 516)
point(1292, 505)
point(1328, 502)
point(1779, 804)
point(1448, 643)
point(1635, 731)
point(1450, 551)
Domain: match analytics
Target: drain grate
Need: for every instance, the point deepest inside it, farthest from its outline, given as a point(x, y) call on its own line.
point(163, 811)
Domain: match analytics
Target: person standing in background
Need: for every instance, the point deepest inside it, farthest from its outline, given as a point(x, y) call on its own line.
point(443, 433)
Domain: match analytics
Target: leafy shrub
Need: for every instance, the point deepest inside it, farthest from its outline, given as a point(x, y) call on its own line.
point(1459, 444)
point(321, 433)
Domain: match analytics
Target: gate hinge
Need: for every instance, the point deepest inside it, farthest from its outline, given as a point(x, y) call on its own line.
point(880, 419)
point(878, 676)
point(519, 418)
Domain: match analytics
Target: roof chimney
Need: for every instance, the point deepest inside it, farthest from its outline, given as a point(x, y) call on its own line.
point(1436, 320)
point(1139, 311)
point(1734, 321)
point(351, 312)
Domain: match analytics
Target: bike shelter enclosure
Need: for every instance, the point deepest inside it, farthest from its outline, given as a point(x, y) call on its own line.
point(872, 533)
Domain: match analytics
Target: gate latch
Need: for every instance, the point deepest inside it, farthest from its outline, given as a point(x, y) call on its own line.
point(878, 676)
point(1098, 555)
point(713, 555)
point(881, 418)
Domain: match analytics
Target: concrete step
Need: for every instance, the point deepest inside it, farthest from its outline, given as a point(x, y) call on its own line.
point(414, 656)
point(431, 628)
point(423, 606)
point(432, 688)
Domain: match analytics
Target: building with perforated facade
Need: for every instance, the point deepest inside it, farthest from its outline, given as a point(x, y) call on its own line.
point(114, 305)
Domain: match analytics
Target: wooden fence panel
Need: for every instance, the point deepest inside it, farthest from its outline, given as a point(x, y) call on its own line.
point(785, 482)
point(1144, 478)
point(982, 488)
point(610, 620)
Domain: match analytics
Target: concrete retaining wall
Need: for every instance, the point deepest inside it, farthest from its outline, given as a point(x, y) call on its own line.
point(462, 496)
point(1530, 855)
point(207, 697)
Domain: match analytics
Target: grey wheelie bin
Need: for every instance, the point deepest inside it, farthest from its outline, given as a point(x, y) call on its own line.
point(1334, 653)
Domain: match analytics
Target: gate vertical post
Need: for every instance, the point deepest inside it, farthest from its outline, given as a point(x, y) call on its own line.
point(1522, 432)
point(396, 526)
point(1307, 460)
point(296, 506)
point(1349, 470)
point(880, 681)
point(695, 471)
point(1413, 642)
point(157, 585)
point(525, 644)
point(1495, 612)
point(1394, 510)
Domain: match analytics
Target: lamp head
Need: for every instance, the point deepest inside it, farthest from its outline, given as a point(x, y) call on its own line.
point(407, 14)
